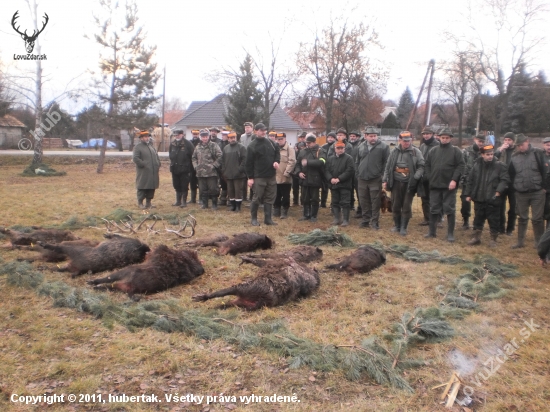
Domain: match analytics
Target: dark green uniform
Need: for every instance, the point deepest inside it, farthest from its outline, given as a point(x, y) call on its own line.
point(147, 171)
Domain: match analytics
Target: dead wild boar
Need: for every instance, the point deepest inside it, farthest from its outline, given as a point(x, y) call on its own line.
point(38, 235)
point(273, 286)
point(244, 242)
point(163, 268)
point(363, 260)
point(116, 252)
point(301, 254)
point(211, 240)
point(56, 255)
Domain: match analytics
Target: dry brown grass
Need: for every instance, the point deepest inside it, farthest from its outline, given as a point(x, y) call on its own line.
point(53, 350)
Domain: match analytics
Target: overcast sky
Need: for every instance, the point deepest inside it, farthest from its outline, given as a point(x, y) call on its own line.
point(195, 37)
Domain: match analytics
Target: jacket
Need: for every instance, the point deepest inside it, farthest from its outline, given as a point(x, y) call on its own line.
point(497, 180)
point(314, 168)
point(207, 159)
point(444, 163)
point(261, 153)
point(180, 154)
point(233, 161)
point(527, 170)
point(370, 164)
point(340, 167)
point(416, 166)
point(147, 166)
point(288, 162)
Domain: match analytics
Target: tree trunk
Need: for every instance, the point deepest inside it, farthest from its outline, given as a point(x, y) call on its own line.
point(38, 132)
point(109, 117)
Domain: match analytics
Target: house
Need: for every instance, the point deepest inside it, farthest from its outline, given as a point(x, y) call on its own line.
point(11, 131)
point(204, 114)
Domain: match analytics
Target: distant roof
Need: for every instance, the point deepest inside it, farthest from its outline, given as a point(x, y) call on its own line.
point(212, 113)
point(10, 121)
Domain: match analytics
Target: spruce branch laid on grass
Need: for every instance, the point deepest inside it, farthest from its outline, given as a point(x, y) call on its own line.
point(318, 237)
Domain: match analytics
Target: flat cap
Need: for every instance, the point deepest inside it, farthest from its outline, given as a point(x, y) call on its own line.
point(311, 138)
point(248, 124)
point(178, 131)
point(204, 132)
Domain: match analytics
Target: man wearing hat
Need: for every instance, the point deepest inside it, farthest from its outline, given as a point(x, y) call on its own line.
point(355, 140)
point(331, 138)
point(309, 167)
point(504, 154)
point(370, 164)
point(341, 136)
point(233, 171)
point(444, 166)
point(528, 174)
point(403, 171)
point(273, 136)
point(147, 170)
point(194, 182)
point(223, 183)
point(214, 135)
point(339, 172)
point(284, 177)
point(471, 154)
point(301, 144)
point(546, 144)
point(487, 180)
point(247, 136)
point(428, 143)
point(180, 153)
point(207, 159)
point(262, 161)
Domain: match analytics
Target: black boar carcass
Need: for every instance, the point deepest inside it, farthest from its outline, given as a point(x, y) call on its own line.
point(163, 268)
point(301, 254)
point(273, 286)
point(244, 242)
point(363, 260)
point(116, 252)
point(56, 255)
point(211, 240)
point(18, 239)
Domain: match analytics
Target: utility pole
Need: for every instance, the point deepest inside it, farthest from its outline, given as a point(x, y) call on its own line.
point(411, 117)
point(163, 95)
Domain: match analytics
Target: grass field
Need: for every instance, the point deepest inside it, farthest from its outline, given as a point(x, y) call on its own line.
point(50, 350)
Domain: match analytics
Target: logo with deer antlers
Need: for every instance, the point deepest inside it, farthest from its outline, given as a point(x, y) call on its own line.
point(29, 40)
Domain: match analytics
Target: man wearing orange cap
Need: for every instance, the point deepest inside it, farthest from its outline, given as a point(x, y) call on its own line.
point(339, 172)
point(233, 167)
point(147, 170)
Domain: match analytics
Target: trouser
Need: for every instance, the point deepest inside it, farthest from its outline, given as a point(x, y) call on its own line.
point(369, 198)
point(235, 189)
point(489, 211)
point(223, 195)
point(466, 207)
point(547, 207)
point(208, 187)
point(282, 198)
point(296, 189)
point(536, 201)
point(442, 202)
point(265, 190)
point(324, 196)
point(180, 182)
point(194, 181)
point(510, 224)
point(145, 194)
point(340, 198)
point(245, 188)
point(401, 200)
point(310, 195)
point(426, 200)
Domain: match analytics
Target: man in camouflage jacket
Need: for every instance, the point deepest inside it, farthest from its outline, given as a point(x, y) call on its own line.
point(207, 159)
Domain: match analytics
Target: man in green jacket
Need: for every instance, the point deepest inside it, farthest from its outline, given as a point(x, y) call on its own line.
point(471, 154)
point(147, 170)
point(428, 143)
point(444, 166)
point(339, 172)
point(546, 143)
point(233, 171)
point(504, 154)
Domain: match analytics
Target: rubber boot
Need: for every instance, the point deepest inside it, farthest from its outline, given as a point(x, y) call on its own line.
point(214, 203)
point(324, 196)
point(336, 213)
point(233, 204)
point(404, 225)
point(538, 230)
point(396, 224)
point(374, 225)
point(522, 230)
point(440, 221)
point(466, 224)
point(140, 203)
point(314, 211)
point(358, 213)
point(547, 224)
point(307, 213)
point(178, 199)
point(426, 213)
point(493, 242)
point(148, 204)
point(284, 212)
point(268, 210)
point(184, 199)
point(276, 212)
point(432, 231)
point(238, 204)
point(451, 228)
point(193, 196)
point(476, 239)
point(254, 213)
point(345, 214)
point(204, 204)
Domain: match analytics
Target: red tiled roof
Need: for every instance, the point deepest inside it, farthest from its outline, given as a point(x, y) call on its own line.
point(10, 121)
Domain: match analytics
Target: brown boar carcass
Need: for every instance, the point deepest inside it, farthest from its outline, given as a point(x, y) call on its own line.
point(363, 260)
point(37, 235)
point(273, 286)
point(244, 242)
point(163, 268)
point(301, 254)
point(116, 252)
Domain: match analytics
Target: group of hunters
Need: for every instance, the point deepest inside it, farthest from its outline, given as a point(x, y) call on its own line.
point(514, 176)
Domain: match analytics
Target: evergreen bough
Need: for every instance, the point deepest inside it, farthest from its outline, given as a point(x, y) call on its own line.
point(318, 237)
